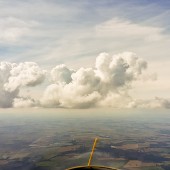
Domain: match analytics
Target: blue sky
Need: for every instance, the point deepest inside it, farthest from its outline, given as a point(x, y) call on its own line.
point(56, 20)
point(74, 33)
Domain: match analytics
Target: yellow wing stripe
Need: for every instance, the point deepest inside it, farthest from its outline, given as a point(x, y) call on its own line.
point(91, 155)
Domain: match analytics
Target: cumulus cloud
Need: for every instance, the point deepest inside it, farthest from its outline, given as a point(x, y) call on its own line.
point(81, 92)
point(104, 85)
point(107, 84)
point(24, 74)
point(6, 97)
point(24, 102)
point(14, 76)
point(119, 69)
point(61, 74)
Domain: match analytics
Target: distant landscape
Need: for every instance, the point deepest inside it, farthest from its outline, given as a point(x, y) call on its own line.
point(55, 143)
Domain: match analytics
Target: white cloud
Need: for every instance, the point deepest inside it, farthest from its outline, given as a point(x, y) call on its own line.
point(15, 76)
point(157, 102)
point(123, 28)
point(6, 97)
point(5, 68)
point(82, 91)
point(24, 74)
point(50, 33)
point(24, 102)
point(12, 29)
point(108, 82)
point(116, 100)
point(61, 74)
point(68, 97)
point(119, 69)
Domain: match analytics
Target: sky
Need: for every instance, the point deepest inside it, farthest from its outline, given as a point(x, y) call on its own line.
point(84, 54)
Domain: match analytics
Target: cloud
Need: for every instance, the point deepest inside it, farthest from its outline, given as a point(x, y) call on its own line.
point(24, 102)
point(61, 74)
point(119, 69)
point(82, 91)
point(157, 102)
point(121, 28)
point(6, 97)
point(24, 74)
point(12, 29)
point(108, 82)
point(15, 76)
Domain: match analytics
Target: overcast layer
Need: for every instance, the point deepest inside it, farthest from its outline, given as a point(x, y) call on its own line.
point(75, 54)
